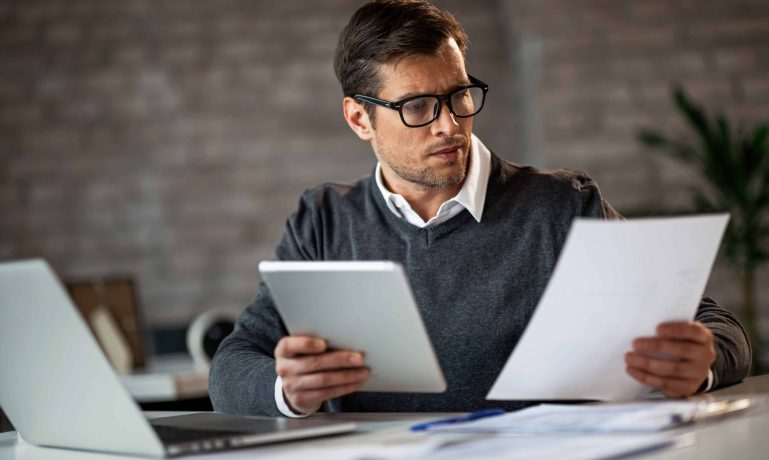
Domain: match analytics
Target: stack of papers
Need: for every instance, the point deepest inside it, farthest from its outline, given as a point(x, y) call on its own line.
point(560, 447)
point(642, 417)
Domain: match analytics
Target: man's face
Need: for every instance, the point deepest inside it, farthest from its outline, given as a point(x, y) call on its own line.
point(432, 156)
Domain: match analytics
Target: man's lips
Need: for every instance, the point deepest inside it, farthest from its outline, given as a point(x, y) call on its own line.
point(447, 153)
point(447, 150)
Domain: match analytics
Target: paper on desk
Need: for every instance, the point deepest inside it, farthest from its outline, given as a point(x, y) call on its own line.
point(451, 447)
point(642, 417)
point(583, 447)
point(507, 448)
point(614, 281)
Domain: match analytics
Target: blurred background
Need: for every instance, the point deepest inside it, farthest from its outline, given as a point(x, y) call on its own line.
point(167, 141)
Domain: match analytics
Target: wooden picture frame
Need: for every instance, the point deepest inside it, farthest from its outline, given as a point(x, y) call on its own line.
point(118, 295)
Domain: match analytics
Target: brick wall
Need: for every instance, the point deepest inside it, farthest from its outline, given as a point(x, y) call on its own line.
point(170, 139)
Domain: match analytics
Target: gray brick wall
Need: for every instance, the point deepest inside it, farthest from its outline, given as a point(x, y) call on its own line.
point(170, 139)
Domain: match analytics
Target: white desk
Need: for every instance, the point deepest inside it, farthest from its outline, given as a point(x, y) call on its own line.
point(738, 438)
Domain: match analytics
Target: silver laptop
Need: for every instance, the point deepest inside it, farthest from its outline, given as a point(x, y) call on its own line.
point(58, 389)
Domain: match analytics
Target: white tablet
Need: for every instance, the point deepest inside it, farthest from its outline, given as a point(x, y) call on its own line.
point(363, 306)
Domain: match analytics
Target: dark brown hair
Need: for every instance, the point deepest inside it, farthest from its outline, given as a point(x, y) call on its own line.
point(386, 29)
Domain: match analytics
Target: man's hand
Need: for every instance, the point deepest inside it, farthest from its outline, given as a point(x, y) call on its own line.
point(311, 374)
point(676, 361)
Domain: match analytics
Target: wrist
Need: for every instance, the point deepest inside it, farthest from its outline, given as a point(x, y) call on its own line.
point(707, 384)
point(281, 401)
point(291, 406)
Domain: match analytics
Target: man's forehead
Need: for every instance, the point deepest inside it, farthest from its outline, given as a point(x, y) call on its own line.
point(420, 72)
point(447, 54)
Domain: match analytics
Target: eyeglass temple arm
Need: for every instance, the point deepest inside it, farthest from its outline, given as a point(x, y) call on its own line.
point(373, 100)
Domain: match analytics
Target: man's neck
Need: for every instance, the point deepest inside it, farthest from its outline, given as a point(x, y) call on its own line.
point(425, 201)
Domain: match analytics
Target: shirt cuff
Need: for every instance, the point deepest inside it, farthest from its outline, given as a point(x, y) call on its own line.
point(280, 401)
point(709, 385)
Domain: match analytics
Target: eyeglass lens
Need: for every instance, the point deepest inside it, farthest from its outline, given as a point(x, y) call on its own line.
point(464, 103)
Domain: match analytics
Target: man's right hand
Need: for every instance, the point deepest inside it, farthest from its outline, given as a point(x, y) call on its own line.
point(311, 374)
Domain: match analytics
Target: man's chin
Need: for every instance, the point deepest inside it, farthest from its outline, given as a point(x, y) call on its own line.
point(440, 176)
point(447, 175)
point(443, 181)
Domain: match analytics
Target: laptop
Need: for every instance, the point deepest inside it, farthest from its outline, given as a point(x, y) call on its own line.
point(58, 389)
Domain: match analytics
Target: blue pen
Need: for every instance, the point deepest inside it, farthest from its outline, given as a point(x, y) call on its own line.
point(458, 419)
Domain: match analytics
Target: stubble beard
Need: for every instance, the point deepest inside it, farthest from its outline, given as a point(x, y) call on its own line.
point(428, 176)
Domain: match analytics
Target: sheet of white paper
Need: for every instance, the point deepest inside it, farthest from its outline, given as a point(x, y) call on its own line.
point(581, 447)
point(614, 281)
point(642, 417)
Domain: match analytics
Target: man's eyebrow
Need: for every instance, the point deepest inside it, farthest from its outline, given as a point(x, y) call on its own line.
point(408, 95)
point(417, 93)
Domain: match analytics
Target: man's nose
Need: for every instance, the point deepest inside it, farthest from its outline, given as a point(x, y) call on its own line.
point(446, 122)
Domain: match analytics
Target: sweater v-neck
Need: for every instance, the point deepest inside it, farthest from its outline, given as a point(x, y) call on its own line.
point(410, 230)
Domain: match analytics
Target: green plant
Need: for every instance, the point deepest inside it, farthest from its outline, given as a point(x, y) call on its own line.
point(735, 166)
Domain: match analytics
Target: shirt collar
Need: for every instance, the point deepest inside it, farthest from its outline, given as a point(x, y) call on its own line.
point(472, 195)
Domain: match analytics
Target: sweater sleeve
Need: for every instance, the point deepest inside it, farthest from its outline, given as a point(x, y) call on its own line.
point(733, 352)
point(242, 375)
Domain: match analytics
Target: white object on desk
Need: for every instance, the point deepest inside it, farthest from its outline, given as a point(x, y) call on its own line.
point(556, 447)
point(614, 281)
point(641, 417)
point(110, 338)
point(203, 327)
point(167, 378)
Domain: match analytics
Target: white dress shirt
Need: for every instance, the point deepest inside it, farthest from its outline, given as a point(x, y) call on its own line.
point(471, 196)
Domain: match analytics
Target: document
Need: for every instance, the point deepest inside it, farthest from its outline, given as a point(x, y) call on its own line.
point(559, 446)
point(628, 418)
point(614, 281)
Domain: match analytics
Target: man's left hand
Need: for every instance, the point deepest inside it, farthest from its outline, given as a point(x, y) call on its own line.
point(676, 361)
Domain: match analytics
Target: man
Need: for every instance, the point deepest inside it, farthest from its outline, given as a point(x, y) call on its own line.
point(477, 236)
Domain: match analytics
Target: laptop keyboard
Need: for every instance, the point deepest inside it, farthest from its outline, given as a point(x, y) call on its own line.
point(172, 434)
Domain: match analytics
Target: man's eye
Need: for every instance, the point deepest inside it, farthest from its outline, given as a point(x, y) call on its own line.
point(460, 96)
point(415, 106)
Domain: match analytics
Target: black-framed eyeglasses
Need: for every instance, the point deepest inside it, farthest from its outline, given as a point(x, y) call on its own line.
point(421, 110)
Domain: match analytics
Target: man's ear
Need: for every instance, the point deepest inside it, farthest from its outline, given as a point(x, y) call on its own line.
point(357, 117)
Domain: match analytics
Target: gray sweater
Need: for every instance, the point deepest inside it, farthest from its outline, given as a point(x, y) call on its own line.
point(476, 285)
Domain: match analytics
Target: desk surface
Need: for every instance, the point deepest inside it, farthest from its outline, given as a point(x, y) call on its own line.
point(744, 437)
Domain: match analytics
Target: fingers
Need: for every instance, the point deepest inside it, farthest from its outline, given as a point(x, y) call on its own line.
point(325, 380)
point(291, 346)
point(675, 349)
point(670, 387)
point(305, 393)
point(679, 330)
point(310, 401)
point(320, 362)
point(679, 369)
point(676, 361)
point(311, 374)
